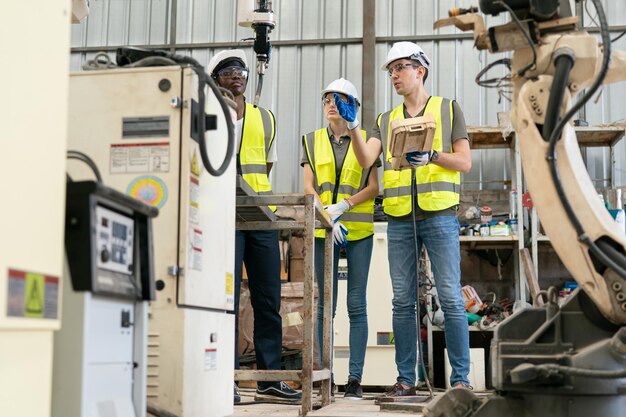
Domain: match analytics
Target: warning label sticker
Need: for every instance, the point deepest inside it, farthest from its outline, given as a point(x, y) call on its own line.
point(230, 283)
point(194, 196)
point(210, 359)
point(32, 295)
point(139, 157)
point(195, 252)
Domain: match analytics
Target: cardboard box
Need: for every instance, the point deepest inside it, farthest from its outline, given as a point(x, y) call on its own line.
point(296, 259)
point(410, 135)
point(291, 311)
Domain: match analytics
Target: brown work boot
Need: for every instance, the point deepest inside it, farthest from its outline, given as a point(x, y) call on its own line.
point(397, 390)
point(462, 385)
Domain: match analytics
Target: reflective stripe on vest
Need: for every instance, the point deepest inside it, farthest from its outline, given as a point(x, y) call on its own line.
point(360, 219)
point(437, 188)
point(256, 138)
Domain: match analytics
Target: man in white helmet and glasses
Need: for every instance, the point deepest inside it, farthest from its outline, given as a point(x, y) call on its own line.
point(257, 249)
point(347, 191)
point(437, 187)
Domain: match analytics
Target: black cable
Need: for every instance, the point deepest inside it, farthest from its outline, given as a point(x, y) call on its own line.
point(532, 65)
point(259, 86)
point(417, 283)
point(204, 79)
point(87, 160)
point(618, 36)
point(488, 83)
point(612, 258)
point(563, 63)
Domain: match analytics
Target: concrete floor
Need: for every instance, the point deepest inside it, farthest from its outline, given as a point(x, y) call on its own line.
point(340, 408)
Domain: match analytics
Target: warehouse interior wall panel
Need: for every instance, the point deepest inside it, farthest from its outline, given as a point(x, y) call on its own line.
point(298, 72)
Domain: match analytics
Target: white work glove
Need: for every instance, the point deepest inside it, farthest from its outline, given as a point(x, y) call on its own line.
point(336, 210)
point(339, 235)
point(419, 159)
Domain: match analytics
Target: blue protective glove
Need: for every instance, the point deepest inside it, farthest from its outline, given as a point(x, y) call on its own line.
point(419, 159)
point(339, 235)
point(347, 110)
point(336, 210)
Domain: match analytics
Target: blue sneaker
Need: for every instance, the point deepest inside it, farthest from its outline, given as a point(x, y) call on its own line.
point(278, 392)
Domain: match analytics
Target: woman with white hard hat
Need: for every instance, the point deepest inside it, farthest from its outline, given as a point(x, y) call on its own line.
point(333, 174)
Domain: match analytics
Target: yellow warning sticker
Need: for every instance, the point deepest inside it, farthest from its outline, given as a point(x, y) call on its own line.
point(32, 295)
point(230, 283)
point(195, 168)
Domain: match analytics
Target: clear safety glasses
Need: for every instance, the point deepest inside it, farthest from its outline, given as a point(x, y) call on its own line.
point(400, 67)
point(233, 72)
point(331, 99)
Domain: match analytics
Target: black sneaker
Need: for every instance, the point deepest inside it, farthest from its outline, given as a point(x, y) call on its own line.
point(237, 395)
point(353, 390)
point(278, 391)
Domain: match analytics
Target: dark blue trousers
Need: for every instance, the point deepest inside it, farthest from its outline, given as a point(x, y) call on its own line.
point(260, 253)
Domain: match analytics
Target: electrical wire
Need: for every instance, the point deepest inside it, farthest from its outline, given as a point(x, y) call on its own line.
point(87, 160)
point(493, 82)
point(203, 80)
point(618, 36)
point(607, 255)
point(593, 19)
point(533, 64)
point(417, 283)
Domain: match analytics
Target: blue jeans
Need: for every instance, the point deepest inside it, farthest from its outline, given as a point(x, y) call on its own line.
point(440, 235)
point(359, 254)
point(259, 251)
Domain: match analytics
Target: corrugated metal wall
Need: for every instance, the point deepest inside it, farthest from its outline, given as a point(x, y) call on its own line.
point(318, 41)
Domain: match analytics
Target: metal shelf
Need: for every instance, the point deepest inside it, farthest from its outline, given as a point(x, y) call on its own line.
point(253, 214)
point(487, 242)
point(489, 137)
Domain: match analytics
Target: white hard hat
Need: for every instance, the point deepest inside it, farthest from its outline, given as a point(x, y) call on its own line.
point(408, 50)
point(342, 86)
point(227, 55)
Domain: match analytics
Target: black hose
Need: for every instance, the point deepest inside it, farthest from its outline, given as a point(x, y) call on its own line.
point(257, 95)
point(87, 160)
point(417, 284)
point(204, 79)
point(612, 259)
point(563, 62)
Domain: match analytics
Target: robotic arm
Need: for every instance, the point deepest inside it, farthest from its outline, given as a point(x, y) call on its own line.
point(557, 361)
point(551, 64)
point(258, 15)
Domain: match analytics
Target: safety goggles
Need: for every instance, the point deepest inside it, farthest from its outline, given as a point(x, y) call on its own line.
point(400, 67)
point(233, 72)
point(331, 99)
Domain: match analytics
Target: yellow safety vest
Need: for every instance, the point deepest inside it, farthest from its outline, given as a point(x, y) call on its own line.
point(256, 138)
point(437, 188)
point(360, 219)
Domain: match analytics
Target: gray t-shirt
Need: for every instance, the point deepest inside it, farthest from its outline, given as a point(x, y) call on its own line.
point(459, 132)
